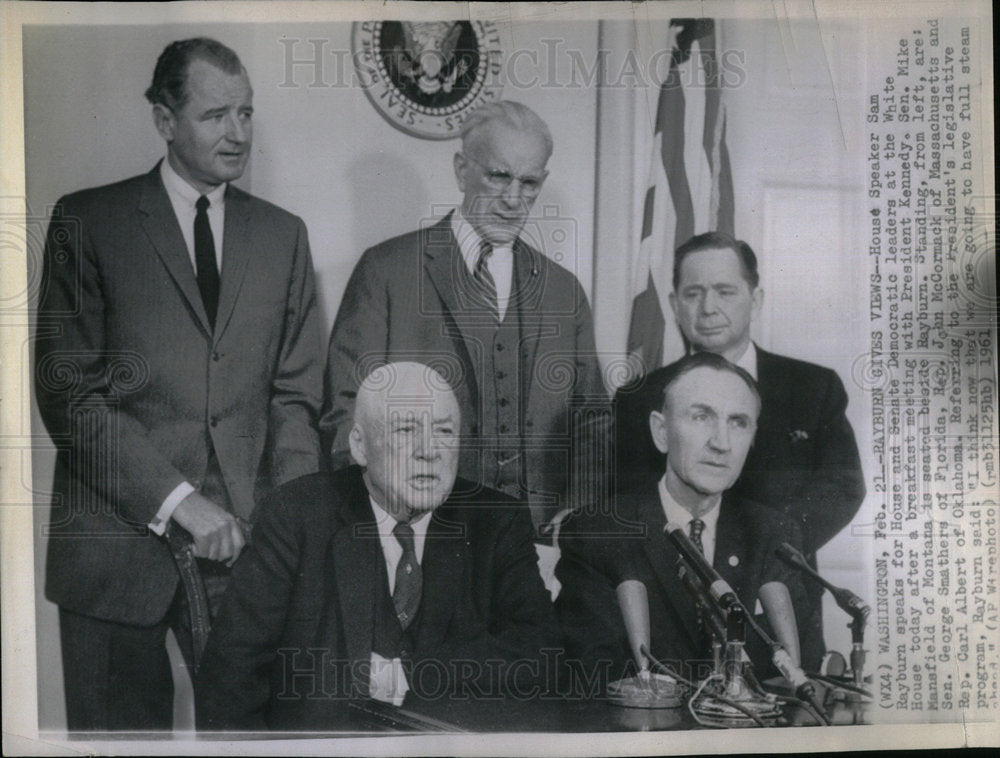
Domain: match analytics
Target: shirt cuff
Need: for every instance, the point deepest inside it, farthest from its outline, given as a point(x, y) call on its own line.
point(159, 523)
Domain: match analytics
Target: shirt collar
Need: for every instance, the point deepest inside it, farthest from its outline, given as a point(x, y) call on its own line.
point(179, 188)
point(469, 240)
point(386, 523)
point(678, 514)
point(748, 361)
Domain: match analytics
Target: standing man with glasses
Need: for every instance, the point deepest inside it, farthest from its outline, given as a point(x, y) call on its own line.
point(176, 372)
point(509, 328)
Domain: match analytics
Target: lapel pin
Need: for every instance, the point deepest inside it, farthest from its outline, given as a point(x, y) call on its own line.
point(734, 561)
point(798, 435)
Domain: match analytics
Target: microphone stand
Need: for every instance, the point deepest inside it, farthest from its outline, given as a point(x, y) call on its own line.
point(857, 626)
point(736, 701)
point(846, 600)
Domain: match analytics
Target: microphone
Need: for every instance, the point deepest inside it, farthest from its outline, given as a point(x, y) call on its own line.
point(718, 587)
point(645, 690)
point(724, 595)
point(848, 602)
point(634, 604)
point(777, 604)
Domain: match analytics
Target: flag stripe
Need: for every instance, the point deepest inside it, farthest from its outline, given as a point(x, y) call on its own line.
point(726, 221)
point(672, 108)
point(647, 212)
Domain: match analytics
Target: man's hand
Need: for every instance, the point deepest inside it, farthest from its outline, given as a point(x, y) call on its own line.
point(216, 534)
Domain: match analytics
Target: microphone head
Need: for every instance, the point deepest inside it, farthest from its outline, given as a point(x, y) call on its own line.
point(788, 553)
point(634, 604)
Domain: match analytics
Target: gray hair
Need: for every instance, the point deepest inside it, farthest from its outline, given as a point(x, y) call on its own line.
point(509, 113)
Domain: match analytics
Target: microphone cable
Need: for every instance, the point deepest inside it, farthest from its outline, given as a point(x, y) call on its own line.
point(697, 691)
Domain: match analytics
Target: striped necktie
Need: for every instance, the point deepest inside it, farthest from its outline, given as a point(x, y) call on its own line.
point(697, 526)
point(409, 581)
point(487, 288)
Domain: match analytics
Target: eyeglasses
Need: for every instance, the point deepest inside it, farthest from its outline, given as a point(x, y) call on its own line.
point(498, 179)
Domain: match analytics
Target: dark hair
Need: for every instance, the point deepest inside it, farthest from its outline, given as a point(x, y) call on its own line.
point(169, 85)
point(714, 241)
point(703, 359)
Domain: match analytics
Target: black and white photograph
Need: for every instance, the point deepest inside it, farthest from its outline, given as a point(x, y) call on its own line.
point(498, 378)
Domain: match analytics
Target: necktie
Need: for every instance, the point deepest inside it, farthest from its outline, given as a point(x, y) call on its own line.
point(406, 596)
point(697, 526)
point(204, 259)
point(487, 290)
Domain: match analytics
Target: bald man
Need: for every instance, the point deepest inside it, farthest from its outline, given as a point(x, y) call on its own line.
point(376, 582)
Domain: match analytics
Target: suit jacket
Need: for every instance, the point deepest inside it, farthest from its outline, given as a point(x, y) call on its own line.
point(294, 637)
point(600, 550)
point(403, 302)
point(132, 384)
point(804, 460)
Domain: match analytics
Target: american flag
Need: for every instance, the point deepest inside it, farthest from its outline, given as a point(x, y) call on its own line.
point(690, 187)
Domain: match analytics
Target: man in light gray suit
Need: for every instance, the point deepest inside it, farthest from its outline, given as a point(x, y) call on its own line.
point(510, 329)
point(177, 373)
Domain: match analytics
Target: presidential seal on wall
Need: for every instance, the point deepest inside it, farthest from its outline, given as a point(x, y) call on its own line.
point(425, 78)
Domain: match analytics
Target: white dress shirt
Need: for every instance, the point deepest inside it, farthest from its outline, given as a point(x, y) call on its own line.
point(678, 514)
point(183, 198)
point(392, 551)
point(387, 681)
point(500, 263)
point(748, 361)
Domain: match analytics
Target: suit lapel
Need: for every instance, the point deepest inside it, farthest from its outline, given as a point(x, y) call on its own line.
point(665, 561)
point(443, 568)
point(446, 271)
point(236, 252)
point(354, 550)
point(731, 540)
point(160, 223)
point(770, 385)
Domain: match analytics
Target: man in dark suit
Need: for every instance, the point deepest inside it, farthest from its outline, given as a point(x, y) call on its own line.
point(804, 462)
point(377, 581)
point(176, 372)
point(705, 424)
point(510, 329)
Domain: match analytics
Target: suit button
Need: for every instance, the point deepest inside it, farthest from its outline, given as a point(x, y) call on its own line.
point(499, 348)
point(214, 421)
point(503, 428)
point(215, 356)
point(501, 375)
point(503, 402)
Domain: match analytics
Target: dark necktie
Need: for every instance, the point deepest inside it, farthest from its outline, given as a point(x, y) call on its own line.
point(204, 259)
point(487, 289)
point(406, 595)
point(697, 526)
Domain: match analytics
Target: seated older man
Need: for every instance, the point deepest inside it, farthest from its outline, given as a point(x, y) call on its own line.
point(375, 581)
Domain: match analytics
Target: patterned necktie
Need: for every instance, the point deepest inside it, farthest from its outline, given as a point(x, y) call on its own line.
point(204, 259)
point(487, 289)
point(409, 581)
point(697, 526)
